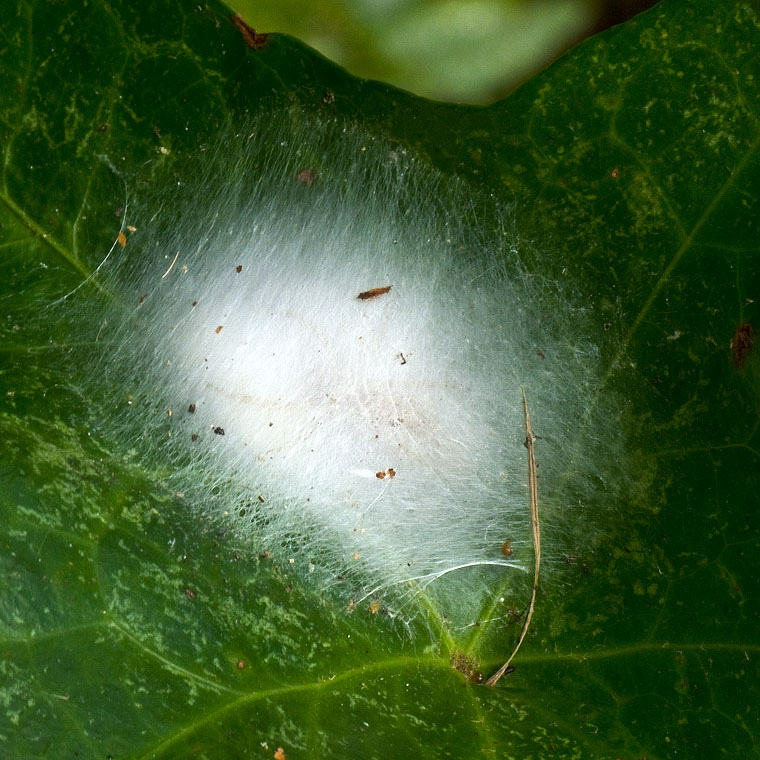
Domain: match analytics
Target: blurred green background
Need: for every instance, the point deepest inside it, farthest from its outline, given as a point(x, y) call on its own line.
point(468, 51)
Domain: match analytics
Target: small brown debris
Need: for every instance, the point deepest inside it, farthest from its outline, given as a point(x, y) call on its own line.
point(266, 554)
point(506, 549)
point(240, 665)
point(219, 329)
point(189, 593)
point(131, 228)
point(219, 430)
point(260, 498)
point(391, 472)
point(329, 97)
point(742, 344)
point(368, 295)
point(380, 475)
point(307, 177)
point(279, 754)
point(357, 555)
point(239, 268)
point(615, 173)
point(466, 665)
point(252, 38)
point(194, 437)
point(102, 127)
point(142, 299)
point(374, 607)
point(121, 239)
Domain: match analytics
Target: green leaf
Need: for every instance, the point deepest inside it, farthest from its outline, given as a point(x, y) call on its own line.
point(130, 631)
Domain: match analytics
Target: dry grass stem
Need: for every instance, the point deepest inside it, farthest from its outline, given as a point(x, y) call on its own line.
point(533, 489)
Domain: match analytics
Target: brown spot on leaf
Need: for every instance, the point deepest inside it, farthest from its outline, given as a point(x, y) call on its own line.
point(239, 268)
point(742, 344)
point(467, 666)
point(252, 38)
point(307, 177)
point(506, 549)
point(368, 295)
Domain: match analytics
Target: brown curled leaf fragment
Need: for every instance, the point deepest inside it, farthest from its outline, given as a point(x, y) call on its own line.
point(368, 295)
point(742, 343)
point(252, 38)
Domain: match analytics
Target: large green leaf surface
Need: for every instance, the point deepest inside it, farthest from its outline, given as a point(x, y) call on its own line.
point(128, 631)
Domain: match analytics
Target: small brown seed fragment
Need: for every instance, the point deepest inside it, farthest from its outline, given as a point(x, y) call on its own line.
point(368, 295)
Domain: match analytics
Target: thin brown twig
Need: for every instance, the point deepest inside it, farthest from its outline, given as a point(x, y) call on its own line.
point(533, 489)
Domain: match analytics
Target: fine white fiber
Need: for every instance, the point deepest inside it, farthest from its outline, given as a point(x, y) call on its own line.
point(321, 343)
